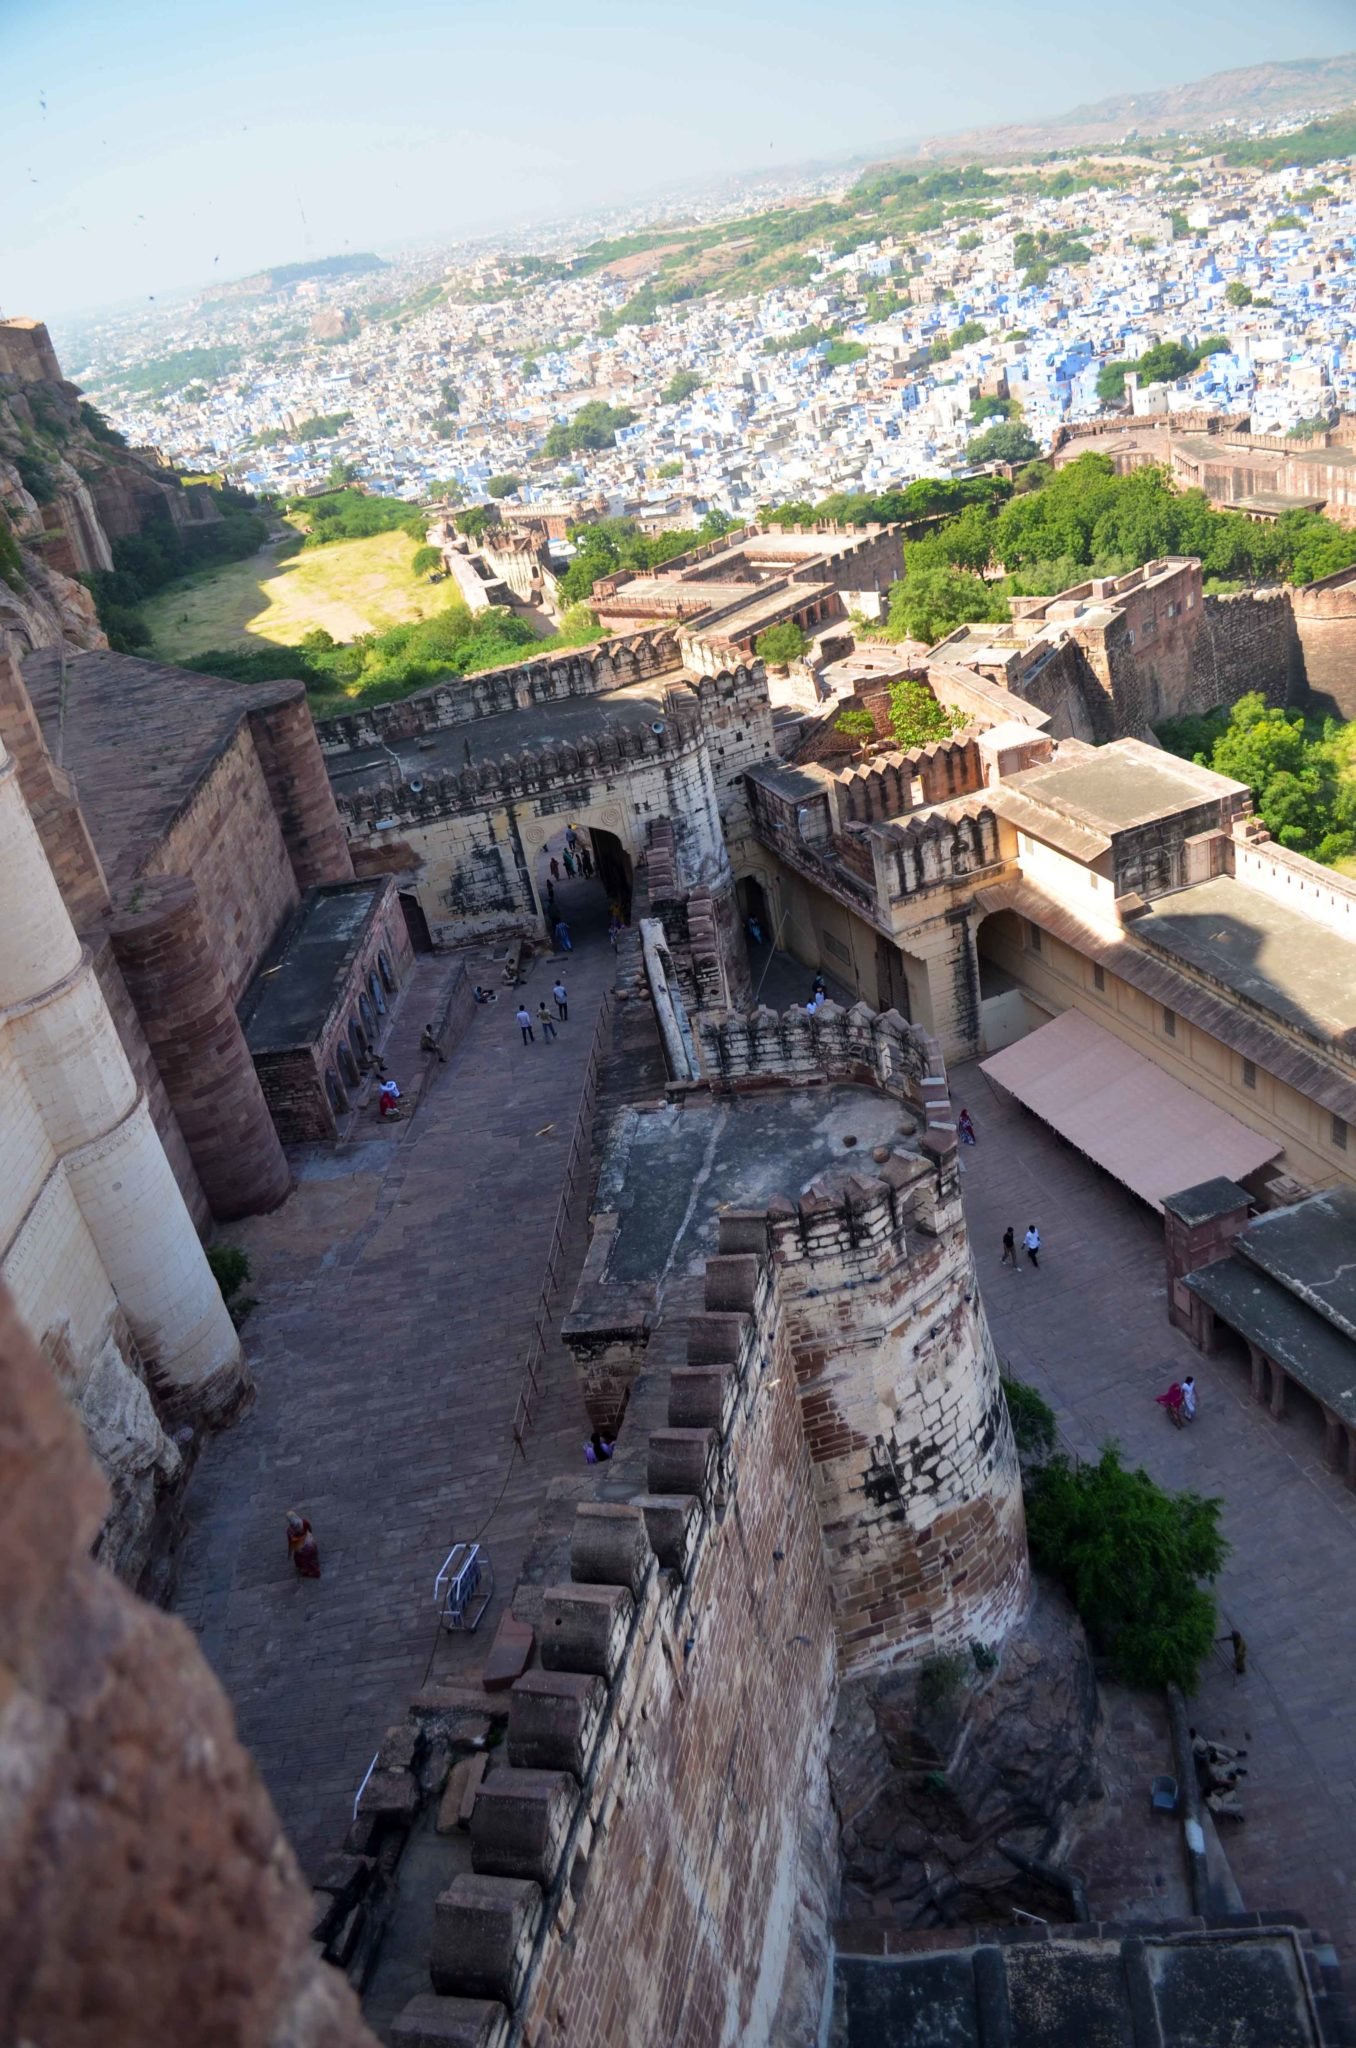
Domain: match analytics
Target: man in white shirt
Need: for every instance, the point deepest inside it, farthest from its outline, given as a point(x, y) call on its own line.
point(524, 1018)
point(1032, 1242)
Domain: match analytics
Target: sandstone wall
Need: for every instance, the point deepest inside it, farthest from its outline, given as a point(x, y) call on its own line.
point(229, 841)
point(145, 1883)
point(1325, 622)
point(656, 1863)
point(1245, 642)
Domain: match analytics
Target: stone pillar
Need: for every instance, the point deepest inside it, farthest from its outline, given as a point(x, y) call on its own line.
point(915, 1468)
point(294, 769)
point(174, 978)
point(97, 1122)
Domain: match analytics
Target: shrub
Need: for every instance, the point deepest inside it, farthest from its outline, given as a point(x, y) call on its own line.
point(782, 643)
point(504, 486)
point(230, 1267)
point(916, 718)
point(941, 1677)
point(426, 560)
point(1032, 1419)
point(858, 725)
point(1132, 1557)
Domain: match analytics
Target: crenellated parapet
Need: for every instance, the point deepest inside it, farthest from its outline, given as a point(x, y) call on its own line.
point(929, 852)
point(889, 785)
point(684, 1695)
point(859, 1044)
point(586, 672)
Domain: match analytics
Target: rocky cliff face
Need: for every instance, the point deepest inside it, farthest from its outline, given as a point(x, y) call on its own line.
point(69, 487)
point(144, 1880)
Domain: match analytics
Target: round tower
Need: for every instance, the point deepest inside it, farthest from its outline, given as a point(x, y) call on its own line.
point(96, 1121)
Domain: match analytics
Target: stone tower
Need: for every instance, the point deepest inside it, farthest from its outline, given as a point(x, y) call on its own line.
point(95, 1239)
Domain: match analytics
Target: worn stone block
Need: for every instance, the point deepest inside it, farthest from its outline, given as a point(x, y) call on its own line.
point(432, 2022)
point(715, 1339)
point(742, 1230)
point(609, 1546)
point(682, 1461)
point(554, 1718)
point(389, 1796)
point(510, 1654)
point(732, 1282)
point(520, 1822)
point(482, 1936)
point(701, 1396)
point(459, 1794)
point(584, 1628)
point(672, 1520)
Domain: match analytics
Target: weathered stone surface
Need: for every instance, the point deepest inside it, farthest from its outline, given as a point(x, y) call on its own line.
point(432, 2022)
point(934, 1765)
point(510, 1653)
point(459, 1795)
point(140, 1855)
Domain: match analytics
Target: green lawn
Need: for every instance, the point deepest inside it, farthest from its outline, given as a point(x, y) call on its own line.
point(349, 587)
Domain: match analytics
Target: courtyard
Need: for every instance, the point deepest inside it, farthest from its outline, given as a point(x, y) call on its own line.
point(1090, 1330)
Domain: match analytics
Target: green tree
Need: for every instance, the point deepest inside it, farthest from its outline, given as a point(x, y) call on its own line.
point(668, 470)
point(426, 560)
point(916, 718)
point(579, 625)
point(529, 368)
point(1007, 442)
point(475, 522)
point(504, 486)
point(1312, 423)
point(1132, 1558)
point(1237, 294)
point(681, 385)
point(780, 644)
point(990, 408)
point(856, 724)
point(931, 602)
point(968, 331)
point(340, 473)
point(1285, 223)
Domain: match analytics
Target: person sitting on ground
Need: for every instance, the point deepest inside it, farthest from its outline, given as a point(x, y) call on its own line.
point(599, 1448)
point(388, 1099)
point(485, 995)
point(428, 1042)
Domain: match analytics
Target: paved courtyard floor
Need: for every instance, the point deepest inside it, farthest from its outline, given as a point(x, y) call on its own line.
point(1090, 1330)
point(396, 1293)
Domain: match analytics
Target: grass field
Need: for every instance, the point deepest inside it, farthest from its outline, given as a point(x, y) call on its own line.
point(349, 587)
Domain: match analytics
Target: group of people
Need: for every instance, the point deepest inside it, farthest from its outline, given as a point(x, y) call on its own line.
point(1031, 1243)
point(526, 1021)
point(1218, 1770)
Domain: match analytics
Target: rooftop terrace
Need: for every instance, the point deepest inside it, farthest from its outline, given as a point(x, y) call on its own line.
point(1262, 950)
point(1125, 784)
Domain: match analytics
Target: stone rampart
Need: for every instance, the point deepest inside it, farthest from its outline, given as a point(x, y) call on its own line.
point(666, 1767)
point(878, 1047)
point(925, 853)
point(1244, 642)
point(460, 700)
point(1325, 622)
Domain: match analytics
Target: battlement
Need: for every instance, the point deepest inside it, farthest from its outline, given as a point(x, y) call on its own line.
point(927, 852)
point(589, 672)
point(27, 354)
point(880, 1048)
point(892, 783)
point(481, 786)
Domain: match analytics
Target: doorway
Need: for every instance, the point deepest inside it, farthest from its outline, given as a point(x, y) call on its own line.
point(416, 924)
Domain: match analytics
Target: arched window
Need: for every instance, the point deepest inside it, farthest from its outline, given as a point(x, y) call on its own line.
point(338, 1101)
point(365, 1012)
point(387, 978)
point(348, 1066)
point(357, 1039)
point(377, 993)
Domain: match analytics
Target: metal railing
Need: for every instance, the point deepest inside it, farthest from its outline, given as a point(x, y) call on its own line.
point(576, 1160)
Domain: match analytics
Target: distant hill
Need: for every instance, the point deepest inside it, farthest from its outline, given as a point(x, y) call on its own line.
point(261, 282)
point(1260, 92)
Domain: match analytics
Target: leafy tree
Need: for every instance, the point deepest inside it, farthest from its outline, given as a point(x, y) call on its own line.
point(580, 625)
point(681, 385)
point(529, 368)
point(931, 602)
point(916, 718)
point(780, 644)
point(353, 515)
point(1285, 223)
point(594, 426)
point(1181, 227)
point(856, 724)
point(968, 331)
point(475, 522)
point(839, 354)
point(990, 408)
point(449, 397)
point(504, 486)
point(1237, 294)
point(1007, 442)
point(1313, 423)
point(1132, 1557)
point(1032, 1419)
point(341, 473)
point(668, 470)
point(426, 560)
point(940, 349)
point(36, 477)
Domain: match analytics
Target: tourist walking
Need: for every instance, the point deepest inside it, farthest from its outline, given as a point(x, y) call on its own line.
point(524, 1018)
point(586, 863)
point(555, 869)
point(1009, 1257)
point(569, 863)
point(548, 1029)
point(1189, 1398)
point(1032, 1244)
point(562, 996)
point(302, 1547)
point(1240, 1650)
point(563, 936)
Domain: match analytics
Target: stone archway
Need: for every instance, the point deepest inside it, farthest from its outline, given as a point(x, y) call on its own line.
point(608, 823)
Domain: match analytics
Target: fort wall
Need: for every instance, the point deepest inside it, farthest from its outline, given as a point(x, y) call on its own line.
point(1325, 623)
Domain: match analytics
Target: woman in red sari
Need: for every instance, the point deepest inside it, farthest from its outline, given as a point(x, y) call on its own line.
point(302, 1547)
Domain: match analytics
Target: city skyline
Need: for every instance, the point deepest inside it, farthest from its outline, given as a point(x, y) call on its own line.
point(152, 159)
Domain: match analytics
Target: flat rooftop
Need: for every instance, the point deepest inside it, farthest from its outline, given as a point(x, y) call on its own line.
point(667, 1172)
point(1123, 784)
point(139, 737)
point(1268, 1315)
point(290, 999)
point(1311, 1249)
point(567, 720)
point(1262, 950)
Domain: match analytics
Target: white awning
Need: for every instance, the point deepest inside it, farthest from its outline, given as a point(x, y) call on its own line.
point(1150, 1132)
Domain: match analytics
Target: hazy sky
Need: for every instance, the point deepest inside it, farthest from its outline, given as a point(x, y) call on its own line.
point(178, 132)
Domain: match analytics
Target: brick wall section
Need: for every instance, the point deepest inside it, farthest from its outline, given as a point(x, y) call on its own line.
point(1246, 642)
point(171, 964)
point(228, 840)
point(1191, 1241)
point(639, 1864)
point(294, 772)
